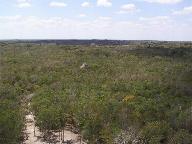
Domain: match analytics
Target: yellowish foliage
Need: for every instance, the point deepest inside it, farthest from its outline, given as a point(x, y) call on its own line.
point(128, 98)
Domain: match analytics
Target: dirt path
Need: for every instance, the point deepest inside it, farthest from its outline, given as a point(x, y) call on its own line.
point(29, 131)
point(34, 136)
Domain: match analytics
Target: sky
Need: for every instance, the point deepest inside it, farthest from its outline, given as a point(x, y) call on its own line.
point(96, 19)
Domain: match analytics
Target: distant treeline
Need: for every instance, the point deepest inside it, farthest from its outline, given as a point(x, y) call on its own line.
point(97, 42)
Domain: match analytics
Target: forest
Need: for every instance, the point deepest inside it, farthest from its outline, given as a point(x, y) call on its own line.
point(112, 94)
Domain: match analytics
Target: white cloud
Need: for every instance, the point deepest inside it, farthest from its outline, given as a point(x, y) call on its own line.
point(86, 4)
point(156, 21)
point(104, 3)
point(22, 0)
point(23, 3)
point(82, 15)
point(104, 18)
point(31, 27)
point(184, 11)
point(57, 4)
point(154, 18)
point(164, 1)
point(10, 18)
point(127, 8)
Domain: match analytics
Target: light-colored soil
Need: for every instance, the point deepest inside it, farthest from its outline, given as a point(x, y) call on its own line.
point(31, 137)
point(34, 136)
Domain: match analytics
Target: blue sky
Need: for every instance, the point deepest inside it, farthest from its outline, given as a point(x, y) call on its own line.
point(96, 19)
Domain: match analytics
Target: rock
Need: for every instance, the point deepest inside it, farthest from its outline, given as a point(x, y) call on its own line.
point(83, 66)
point(29, 97)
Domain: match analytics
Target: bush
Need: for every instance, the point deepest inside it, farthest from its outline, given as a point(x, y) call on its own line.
point(181, 137)
point(156, 132)
point(184, 120)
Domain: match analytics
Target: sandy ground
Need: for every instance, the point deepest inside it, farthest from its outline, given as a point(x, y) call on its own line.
point(37, 137)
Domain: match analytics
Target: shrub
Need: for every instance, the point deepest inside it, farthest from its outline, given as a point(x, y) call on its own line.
point(156, 132)
point(181, 137)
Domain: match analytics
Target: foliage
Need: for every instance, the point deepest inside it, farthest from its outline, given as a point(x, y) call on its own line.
point(122, 87)
point(181, 137)
point(156, 132)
